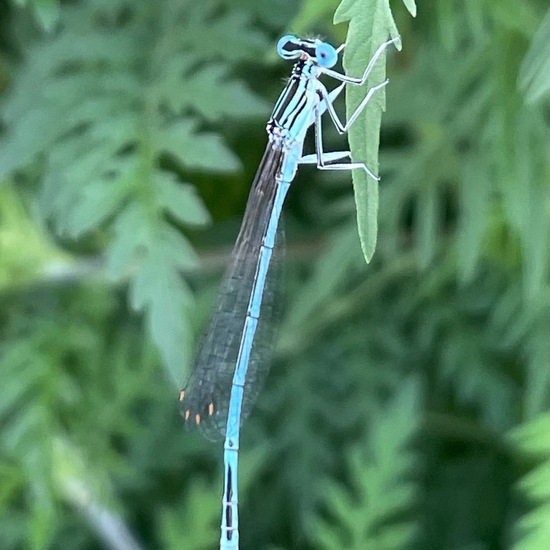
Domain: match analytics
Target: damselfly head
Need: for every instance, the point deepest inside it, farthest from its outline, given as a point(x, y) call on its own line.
point(321, 53)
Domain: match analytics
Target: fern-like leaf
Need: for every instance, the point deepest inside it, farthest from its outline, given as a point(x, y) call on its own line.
point(115, 99)
point(533, 527)
point(374, 513)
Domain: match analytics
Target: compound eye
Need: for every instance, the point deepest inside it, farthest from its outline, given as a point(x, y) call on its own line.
point(326, 55)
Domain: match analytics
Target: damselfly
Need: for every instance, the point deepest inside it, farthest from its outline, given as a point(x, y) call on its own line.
point(233, 356)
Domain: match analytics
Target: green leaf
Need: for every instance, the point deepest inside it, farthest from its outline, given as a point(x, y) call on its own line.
point(205, 151)
point(194, 522)
point(534, 74)
point(475, 198)
point(168, 301)
point(25, 250)
point(209, 91)
point(533, 528)
point(234, 28)
point(532, 437)
point(176, 249)
point(102, 103)
point(536, 484)
point(370, 24)
point(181, 201)
point(131, 232)
point(158, 288)
point(46, 11)
point(411, 6)
point(373, 513)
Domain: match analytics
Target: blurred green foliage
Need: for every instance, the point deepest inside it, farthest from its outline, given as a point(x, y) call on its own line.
point(407, 406)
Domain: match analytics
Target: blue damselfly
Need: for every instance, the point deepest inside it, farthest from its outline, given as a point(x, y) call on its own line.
point(233, 356)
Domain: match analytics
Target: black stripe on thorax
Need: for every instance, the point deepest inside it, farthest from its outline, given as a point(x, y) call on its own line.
point(290, 95)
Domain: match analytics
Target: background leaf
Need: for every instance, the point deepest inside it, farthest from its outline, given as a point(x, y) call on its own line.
point(531, 440)
point(534, 75)
point(407, 404)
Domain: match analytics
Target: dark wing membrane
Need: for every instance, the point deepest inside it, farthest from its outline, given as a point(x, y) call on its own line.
point(267, 329)
point(205, 399)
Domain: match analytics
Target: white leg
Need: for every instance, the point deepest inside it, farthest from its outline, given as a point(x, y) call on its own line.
point(327, 157)
point(325, 160)
point(360, 81)
point(340, 48)
point(328, 99)
point(343, 128)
